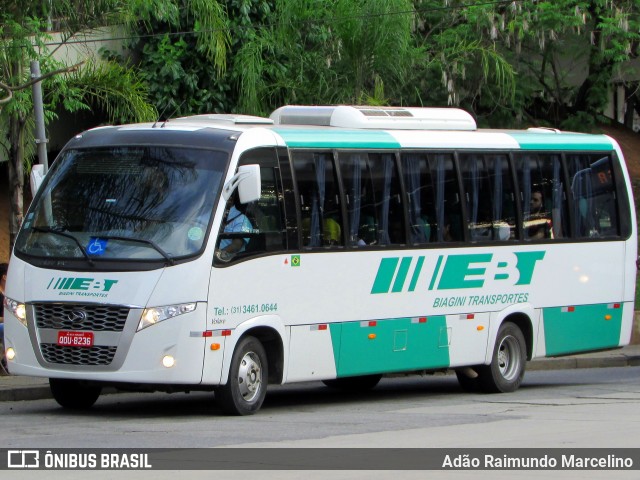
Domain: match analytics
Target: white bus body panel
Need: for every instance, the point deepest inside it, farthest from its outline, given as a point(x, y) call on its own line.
point(139, 355)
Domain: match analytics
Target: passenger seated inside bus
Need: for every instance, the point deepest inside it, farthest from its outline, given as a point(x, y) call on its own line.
point(420, 230)
point(331, 233)
point(236, 221)
point(368, 231)
point(451, 230)
point(538, 225)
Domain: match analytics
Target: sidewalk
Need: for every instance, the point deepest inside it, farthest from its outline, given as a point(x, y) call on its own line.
point(15, 388)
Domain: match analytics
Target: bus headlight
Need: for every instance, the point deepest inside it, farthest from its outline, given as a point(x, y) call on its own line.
point(151, 316)
point(18, 309)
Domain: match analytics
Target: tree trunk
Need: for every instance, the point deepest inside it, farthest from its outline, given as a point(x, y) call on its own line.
point(630, 102)
point(593, 94)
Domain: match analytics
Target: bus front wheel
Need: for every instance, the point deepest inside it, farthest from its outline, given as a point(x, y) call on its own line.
point(506, 371)
point(247, 384)
point(74, 394)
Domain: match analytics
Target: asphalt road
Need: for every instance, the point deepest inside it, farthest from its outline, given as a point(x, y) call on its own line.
point(559, 408)
point(576, 408)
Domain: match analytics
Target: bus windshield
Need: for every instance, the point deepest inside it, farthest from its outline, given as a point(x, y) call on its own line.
point(124, 203)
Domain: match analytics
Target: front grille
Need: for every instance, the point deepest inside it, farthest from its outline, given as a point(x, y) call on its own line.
point(95, 355)
point(65, 316)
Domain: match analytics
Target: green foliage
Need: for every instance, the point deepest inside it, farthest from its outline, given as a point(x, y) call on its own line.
point(186, 72)
point(548, 41)
point(511, 63)
point(108, 88)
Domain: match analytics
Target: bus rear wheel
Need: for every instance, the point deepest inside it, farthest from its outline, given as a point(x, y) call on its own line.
point(354, 384)
point(74, 394)
point(506, 371)
point(247, 384)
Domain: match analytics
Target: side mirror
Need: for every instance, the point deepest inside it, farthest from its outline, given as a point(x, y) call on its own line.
point(36, 178)
point(248, 183)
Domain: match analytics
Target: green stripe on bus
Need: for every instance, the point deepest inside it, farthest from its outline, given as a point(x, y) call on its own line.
point(402, 274)
point(561, 141)
point(581, 328)
point(392, 345)
point(385, 274)
point(329, 138)
point(435, 272)
point(416, 274)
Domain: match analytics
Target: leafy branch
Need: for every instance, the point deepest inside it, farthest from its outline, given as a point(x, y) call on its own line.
point(10, 89)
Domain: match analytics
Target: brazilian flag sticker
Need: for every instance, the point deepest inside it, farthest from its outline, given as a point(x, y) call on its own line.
point(295, 260)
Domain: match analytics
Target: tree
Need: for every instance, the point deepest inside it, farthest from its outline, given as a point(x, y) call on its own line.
point(512, 63)
point(176, 63)
point(328, 52)
point(461, 65)
point(109, 87)
point(567, 54)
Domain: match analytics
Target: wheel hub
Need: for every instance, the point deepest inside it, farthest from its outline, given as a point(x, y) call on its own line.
point(508, 357)
point(250, 376)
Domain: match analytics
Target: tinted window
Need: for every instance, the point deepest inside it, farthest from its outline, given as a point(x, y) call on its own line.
point(320, 209)
point(489, 197)
point(256, 227)
point(124, 203)
point(433, 197)
point(373, 199)
point(544, 204)
point(595, 213)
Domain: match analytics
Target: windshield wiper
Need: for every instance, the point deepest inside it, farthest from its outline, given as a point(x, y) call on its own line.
point(153, 244)
point(66, 235)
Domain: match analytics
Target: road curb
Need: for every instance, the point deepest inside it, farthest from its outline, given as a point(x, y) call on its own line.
point(563, 363)
point(40, 392)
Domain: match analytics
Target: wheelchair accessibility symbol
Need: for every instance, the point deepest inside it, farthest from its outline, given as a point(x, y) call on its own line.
point(96, 246)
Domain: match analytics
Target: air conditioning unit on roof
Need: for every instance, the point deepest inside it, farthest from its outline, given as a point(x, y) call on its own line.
point(384, 118)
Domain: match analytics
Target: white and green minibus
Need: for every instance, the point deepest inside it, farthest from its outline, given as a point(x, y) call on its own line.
point(226, 252)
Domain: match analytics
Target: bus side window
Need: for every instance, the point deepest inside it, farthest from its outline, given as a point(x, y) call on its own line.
point(413, 164)
point(593, 193)
point(542, 196)
point(320, 209)
point(289, 199)
point(427, 183)
point(489, 196)
point(373, 200)
point(258, 225)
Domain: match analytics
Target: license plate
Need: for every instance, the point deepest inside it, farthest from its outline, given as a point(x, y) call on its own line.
point(75, 339)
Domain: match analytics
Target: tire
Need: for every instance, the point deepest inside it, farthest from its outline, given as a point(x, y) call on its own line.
point(247, 384)
point(506, 371)
point(362, 383)
point(74, 394)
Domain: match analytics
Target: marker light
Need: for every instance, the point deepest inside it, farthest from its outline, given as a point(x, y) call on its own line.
point(11, 353)
point(168, 361)
point(151, 316)
point(18, 309)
